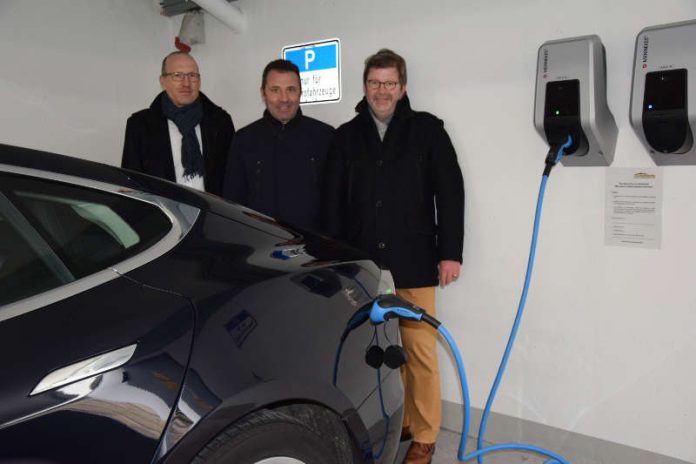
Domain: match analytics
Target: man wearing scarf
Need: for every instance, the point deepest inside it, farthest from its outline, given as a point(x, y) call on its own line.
point(183, 137)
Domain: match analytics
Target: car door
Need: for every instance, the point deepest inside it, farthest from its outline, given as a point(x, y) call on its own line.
point(91, 362)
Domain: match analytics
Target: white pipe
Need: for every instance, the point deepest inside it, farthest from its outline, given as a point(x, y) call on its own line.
point(225, 12)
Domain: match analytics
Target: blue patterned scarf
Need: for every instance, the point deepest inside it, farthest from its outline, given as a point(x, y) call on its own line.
point(186, 119)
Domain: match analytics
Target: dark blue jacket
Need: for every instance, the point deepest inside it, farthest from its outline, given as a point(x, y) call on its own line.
point(277, 169)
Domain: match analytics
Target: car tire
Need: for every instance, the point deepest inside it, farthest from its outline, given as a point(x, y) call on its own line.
point(269, 437)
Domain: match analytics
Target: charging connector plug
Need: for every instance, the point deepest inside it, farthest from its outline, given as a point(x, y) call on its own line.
point(387, 307)
point(555, 154)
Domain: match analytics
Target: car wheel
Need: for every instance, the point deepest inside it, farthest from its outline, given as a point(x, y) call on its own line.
point(269, 437)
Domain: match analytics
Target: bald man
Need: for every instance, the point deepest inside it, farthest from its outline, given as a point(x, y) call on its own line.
point(183, 136)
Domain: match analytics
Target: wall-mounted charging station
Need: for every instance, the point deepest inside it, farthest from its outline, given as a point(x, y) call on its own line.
point(571, 99)
point(664, 69)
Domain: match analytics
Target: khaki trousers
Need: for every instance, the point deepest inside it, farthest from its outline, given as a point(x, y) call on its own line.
point(420, 374)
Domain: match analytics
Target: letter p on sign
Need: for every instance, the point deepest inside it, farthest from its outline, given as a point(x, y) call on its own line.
point(308, 58)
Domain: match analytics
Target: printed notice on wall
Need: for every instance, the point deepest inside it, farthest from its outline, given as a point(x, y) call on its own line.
point(633, 211)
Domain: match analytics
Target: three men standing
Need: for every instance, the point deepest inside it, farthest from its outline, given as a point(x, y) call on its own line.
point(394, 189)
point(183, 136)
point(389, 183)
point(276, 163)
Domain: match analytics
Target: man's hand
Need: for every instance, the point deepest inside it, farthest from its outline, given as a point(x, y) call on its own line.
point(449, 272)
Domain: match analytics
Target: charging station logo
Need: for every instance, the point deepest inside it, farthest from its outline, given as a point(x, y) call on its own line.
point(646, 42)
point(644, 175)
point(545, 64)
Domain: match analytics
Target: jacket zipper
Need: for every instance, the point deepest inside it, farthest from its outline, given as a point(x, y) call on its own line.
point(350, 182)
point(257, 179)
point(315, 176)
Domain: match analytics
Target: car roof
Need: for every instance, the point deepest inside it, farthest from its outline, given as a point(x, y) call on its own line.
point(101, 172)
point(67, 165)
point(45, 161)
point(90, 170)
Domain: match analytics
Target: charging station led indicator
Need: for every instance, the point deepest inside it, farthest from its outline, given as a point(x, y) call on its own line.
point(563, 98)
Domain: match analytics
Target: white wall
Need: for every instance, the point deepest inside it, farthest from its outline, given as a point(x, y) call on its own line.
point(606, 347)
point(74, 70)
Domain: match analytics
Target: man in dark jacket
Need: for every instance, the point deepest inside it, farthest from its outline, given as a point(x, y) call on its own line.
point(183, 137)
point(276, 163)
point(394, 189)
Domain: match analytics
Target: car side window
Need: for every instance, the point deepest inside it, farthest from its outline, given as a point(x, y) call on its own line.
point(26, 267)
point(60, 232)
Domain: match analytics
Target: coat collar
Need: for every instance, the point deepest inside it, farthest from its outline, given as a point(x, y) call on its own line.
point(156, 105)
point(403, 109)
point(277, 125)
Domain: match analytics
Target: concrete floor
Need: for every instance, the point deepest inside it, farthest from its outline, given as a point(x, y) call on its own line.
point(448, 444)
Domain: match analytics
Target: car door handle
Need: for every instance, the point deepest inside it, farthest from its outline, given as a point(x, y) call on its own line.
point(85, 369)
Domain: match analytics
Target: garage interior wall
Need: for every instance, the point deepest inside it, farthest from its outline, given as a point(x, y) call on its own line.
point(606, 348)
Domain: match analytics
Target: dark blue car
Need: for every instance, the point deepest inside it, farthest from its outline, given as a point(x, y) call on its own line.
point(143, 322)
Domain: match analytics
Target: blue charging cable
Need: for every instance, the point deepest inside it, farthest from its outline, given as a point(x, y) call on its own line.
point(550, 162)
point(389, 306)
point(359, 318)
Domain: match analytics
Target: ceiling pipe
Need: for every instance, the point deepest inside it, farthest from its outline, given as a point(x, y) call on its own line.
point(225, 12)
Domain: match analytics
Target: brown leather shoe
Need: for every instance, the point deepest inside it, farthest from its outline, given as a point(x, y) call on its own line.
point(419, 453)
point(405, 434)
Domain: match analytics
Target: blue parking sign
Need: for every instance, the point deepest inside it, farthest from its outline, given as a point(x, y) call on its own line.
point(314, 58)
point(319, 66)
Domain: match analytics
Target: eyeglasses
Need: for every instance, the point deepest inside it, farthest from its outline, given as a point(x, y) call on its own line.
point(179, 76)
point(375, 84)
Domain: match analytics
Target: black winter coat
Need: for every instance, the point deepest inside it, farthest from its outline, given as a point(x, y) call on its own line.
point(277, 169)
point(147, 147)
point(400, 199)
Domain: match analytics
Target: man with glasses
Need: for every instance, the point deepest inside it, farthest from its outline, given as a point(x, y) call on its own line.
point(394, 189)
point(276, 163)
point(183, 137)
